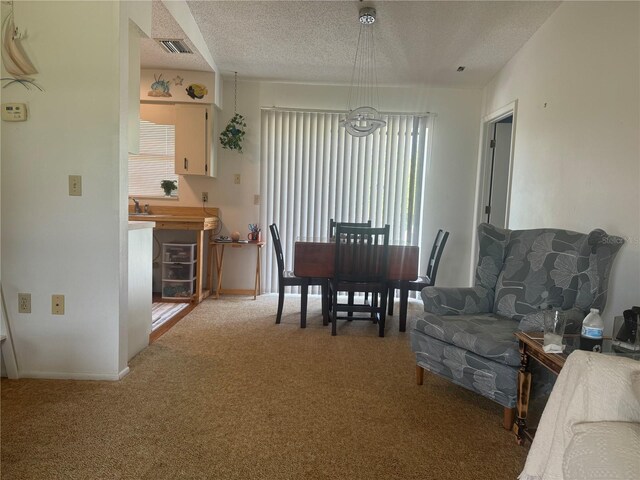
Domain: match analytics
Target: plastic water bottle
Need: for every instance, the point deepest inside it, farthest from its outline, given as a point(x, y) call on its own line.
point(592, 332)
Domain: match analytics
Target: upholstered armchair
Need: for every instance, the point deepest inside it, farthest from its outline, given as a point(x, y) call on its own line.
point(467, 334)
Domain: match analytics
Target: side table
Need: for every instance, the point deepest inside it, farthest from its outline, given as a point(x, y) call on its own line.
point(216, 252)
point(530, 346)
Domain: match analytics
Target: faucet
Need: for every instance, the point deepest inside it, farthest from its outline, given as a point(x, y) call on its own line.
point(136, 208)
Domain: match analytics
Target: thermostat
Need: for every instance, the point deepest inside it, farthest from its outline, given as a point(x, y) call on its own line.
point(14, 112)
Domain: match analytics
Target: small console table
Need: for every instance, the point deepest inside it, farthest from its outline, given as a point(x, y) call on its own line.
point(216, 254)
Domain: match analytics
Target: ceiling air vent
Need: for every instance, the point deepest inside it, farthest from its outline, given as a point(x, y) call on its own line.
point(174, 45)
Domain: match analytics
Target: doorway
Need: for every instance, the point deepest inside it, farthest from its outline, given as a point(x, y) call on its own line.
point(496, 167)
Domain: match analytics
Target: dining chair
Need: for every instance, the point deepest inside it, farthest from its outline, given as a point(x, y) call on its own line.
point(361, 263)
point(288, 279)
point(428, 280)
point(332, 232)
point(333, 224)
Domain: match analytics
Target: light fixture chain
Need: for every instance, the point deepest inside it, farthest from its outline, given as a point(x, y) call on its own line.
point(235, 93)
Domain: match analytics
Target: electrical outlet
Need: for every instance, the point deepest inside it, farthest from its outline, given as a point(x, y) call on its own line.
point(205, 197)
point(24, 303)
point(256, 199)
point(75, 185)
point(57, 304)
point(236, 179)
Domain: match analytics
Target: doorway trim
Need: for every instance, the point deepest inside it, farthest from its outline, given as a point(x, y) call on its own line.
point(484, 169)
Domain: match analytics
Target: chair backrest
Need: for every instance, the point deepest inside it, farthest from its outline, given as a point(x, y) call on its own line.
point(531, 269)
point(277, 245)
point(436, 254)
point(332, 225)
point(361, 254)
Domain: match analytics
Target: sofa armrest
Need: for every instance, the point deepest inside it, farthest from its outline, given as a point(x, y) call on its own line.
point(457, 301)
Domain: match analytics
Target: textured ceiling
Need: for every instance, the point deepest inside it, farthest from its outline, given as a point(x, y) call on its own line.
point(417, 42)
point(152, 55)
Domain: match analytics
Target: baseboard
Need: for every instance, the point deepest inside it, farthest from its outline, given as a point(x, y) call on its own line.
point(236, 291)
point(75, 376)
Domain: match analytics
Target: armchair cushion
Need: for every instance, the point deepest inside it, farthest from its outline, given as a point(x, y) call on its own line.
point(554, 267)
point(486, 335)
point(540, 269)
point(457, 301)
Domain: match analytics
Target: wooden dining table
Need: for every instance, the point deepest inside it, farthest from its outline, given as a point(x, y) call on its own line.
point(315, 257)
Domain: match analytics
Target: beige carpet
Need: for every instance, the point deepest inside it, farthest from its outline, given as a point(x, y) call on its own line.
point(227, 394)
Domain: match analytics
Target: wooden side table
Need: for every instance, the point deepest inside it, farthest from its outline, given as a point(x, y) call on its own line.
point(216, 252)
point(530, 345)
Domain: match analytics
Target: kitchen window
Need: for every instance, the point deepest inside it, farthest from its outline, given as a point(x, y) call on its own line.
point(155, 162)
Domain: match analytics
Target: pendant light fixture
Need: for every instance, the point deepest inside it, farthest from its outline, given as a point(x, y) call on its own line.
point(363, 118)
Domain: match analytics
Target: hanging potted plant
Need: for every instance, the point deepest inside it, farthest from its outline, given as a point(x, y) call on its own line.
point(232, 136)
point(168, 186)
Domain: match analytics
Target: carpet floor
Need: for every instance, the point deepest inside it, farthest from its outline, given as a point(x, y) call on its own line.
point(227, 394)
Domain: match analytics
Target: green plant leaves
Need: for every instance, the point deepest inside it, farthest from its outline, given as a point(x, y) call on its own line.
point(232, 136)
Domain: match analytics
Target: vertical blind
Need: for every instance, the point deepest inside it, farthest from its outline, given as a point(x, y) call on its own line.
point(312, 171)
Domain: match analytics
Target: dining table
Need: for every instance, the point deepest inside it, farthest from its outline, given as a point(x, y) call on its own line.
point(315, 257)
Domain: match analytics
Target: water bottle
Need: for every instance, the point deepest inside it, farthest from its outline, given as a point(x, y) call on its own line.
point(592, 332)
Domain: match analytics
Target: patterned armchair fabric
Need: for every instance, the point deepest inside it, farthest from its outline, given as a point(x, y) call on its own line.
point(466, 334)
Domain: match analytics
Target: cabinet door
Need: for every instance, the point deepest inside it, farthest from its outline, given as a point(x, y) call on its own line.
point(193, 140)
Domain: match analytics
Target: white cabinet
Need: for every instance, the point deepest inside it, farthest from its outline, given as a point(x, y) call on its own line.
point(178, 270)
point(194, 149)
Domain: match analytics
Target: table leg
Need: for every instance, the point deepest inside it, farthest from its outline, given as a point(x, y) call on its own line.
point(219, 260)
point(256, 284)
point(524, 390)
point(303, 303)
point(404, 301)
point(199, 264)
point(210, 269)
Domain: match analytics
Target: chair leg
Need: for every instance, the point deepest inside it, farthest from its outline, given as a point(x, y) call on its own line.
point(280, 303)
point(383, 314)
point(351, 299)
point(509, 418)
point(392, 294)
point(404, 300)
point(419, 374)
point(303, 303)
point(334, 315)
point(325, 303)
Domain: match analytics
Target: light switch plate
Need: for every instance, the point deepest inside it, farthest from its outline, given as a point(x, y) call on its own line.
point(75, 185)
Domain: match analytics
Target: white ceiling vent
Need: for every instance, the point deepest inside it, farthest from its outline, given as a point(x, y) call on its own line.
point(173, 45)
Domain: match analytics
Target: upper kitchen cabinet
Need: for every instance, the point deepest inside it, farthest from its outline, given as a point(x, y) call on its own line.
point(194, 147)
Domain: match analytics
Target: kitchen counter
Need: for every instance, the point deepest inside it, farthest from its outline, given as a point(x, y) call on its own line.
point(183, 218)
point(139, 225)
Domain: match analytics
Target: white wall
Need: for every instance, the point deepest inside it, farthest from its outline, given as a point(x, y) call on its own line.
point(53, 243)
point(449, 190)
point(577, 150)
